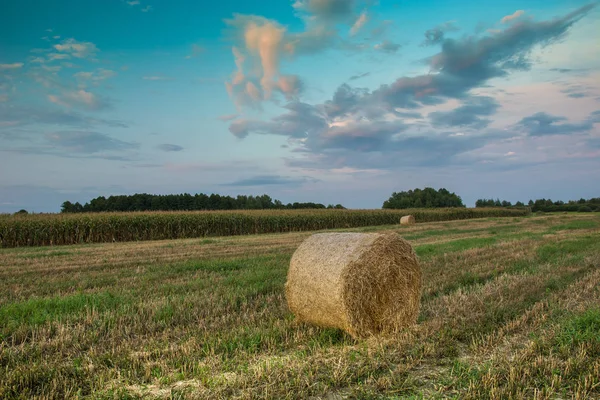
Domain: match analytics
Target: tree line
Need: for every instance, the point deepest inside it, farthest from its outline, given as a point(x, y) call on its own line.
point(546, 205)
point(423, 198)
point(184, 202)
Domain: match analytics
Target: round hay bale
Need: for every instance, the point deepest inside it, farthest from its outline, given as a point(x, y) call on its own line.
point(363, 283)
point(407, 220)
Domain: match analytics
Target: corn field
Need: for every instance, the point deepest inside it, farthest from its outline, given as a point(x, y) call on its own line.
point(65, 229)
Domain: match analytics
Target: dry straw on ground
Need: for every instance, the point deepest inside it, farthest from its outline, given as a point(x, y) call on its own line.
point(363, 283)
point(407, 220)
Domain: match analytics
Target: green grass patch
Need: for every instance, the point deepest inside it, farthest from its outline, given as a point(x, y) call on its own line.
point(430, 250)
point(555, 251)
point(39, 311)
point(580, 329)
point(575, 225)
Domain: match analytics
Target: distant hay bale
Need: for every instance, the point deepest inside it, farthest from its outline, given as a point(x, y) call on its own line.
point(407, 220)
point(363, 283)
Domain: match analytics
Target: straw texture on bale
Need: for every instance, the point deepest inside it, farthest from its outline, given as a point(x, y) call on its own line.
point(363, 283)
point(407, 220)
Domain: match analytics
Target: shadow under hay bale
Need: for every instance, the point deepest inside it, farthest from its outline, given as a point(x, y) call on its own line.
point(363, 283)
point(407, 220)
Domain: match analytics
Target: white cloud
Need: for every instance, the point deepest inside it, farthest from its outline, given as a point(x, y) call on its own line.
point(79, 98)
point(4, 67)
point(58, 56)
point(95, 78)
point(512, 16)
point(360, 22)
point(157, 78)
point(229, 117)
point(196, 51)
point(147, 9)
point(77, 49)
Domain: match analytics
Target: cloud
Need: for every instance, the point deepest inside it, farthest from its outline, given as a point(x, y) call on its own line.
point(355, 77)
point(327, 9)
point(387, 47)
point(437, 34)
point(512, 17)
point(87, 142)
point(381, 28)
point(300, 121)
point(542, 124)
point(157, 78)
point(290, 85)
point(360, 22)
point(169, 147)
point(81, 99)
point(77, 49)
point(95, 78)
point(263, 43)
point(133, 3)
point(4, 67)
point(58, 56)
point(147, 9)
point(26, 115)
point(263, 46)
point(465, 64)
point(267, 180)
point(229, 117)
point(196, 51)
point(382, 128)
point(467, 115)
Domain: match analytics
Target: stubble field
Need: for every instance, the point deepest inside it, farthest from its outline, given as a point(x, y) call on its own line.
point(510, 309)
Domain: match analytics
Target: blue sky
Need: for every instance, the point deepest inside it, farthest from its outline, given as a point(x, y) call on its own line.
point(332, 101)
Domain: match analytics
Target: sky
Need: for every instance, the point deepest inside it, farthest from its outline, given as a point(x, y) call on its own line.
point(330, 101)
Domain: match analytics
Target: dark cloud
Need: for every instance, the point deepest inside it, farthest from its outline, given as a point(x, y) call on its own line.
point(562, 70)
point(436, 35)
point(26, 115)
point(573, 71)
point(169, 147)
point(264, 180)
point(355, 77)
point(428, 150)
point(382, 28)
point(229, 117)
point(412, 115)
point(576, 91)
point(465, 64)
point(87, 142)
point(364, 136)
point(388, 47)
point(467, 115)
point(300, 121)
point(541, 124)
point(327, 9)
point(346, 99)
point(357, 126)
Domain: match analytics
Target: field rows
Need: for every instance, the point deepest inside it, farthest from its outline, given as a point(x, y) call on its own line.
point(67, 229)
point(510, 309)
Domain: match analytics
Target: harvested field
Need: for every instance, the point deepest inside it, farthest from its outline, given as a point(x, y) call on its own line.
point(510, 308)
